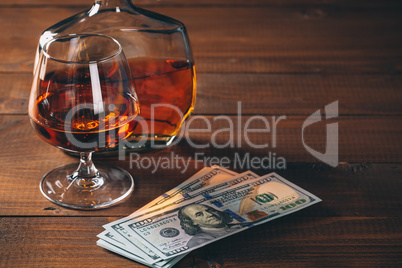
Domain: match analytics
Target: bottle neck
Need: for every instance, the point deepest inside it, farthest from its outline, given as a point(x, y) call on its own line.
point(113, 3)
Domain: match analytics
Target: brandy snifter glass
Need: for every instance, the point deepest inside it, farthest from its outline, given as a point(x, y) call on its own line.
point(83, 100)
point(159, 54)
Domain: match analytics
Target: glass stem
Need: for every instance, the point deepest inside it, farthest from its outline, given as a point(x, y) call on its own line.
point(87, 169)
point(87, 175)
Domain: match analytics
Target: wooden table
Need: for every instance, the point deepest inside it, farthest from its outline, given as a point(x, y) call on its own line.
point(280, 58)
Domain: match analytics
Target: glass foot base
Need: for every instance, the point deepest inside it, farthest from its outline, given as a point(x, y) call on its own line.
point(110, 186)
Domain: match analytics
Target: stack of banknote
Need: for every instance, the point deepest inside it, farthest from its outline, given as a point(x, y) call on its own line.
point(213, 204)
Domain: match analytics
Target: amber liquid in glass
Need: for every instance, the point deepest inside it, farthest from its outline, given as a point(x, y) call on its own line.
point(166, 93)
point(56, 113)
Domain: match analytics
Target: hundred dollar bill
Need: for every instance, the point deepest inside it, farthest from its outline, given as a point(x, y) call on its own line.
point(210, 176)
point(139, 251)
point(188, 181)
point(199, 180)
point(203, 178)
point(113, 238)
point(135, 246)
point(200, 221)
point(205, 191)
point(129, 255)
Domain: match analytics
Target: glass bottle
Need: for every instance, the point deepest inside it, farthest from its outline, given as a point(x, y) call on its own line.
point(159, 55)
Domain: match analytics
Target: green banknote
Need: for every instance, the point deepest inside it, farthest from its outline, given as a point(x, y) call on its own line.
point(116, 234)
point(121, 251)
point(206, 177)
point(179, 229)
point(209, 177)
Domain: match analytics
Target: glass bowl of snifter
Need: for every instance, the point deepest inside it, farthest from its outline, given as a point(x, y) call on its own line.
point(113, 44)
point(159, 56)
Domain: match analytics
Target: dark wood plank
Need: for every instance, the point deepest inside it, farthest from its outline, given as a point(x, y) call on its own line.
point(347, 241)
point(264, 94)
point(355, 189)
point(55, 242)
point(14, 92)
point(263, 39)
point(208, 3)
point(298, 94)
point(280, 58)
point(309, 242)
point(361, 139)
point(289, 241)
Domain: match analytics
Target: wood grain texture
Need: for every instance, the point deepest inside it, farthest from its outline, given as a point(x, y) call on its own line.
point(207, 3)
point(25, 159)
point(304, 242)
point(290, 241)
point(54, 242)
point(264, 94)
point(14, 93)
point(279, 58)
point(359, 141)
point(259, 40)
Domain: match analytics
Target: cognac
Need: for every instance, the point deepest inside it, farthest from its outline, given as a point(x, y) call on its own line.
point(158, 51)
point(166, 93)
point(67, 115)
